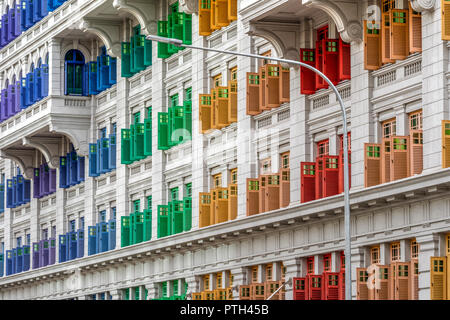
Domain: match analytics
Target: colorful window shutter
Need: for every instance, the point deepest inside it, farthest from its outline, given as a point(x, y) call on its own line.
point(416, 153)
point(438, 277)
point(222, 100)
point(386, 51)
point(399, 35)
point(400, 157)
point(307, 77)
point(221, 13)
point(415, 30)
point(232, 10)
point(252, 196)
point(386, 146)
point(445, 143)
point(204, 17)
point(272, 92)
point(445, 7)
point(372, 48)
point(331, 60)
point(232, 101)
point(253, 84)
point(308, 181)
point(372, 164)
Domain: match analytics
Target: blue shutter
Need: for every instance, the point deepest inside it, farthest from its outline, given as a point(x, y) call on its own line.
point(63, 172)
point(29, 88)
point(73, 167)
point(44, 8)
point(99, 156)
point(23, 15)
point(26, 257)
point(112, 151)
point(93, 78)
point(92, 240)
point(112, 71)
point(14, 192)
point(65, 78)
point(73, 244)
point(98, 244)
point(45, 79)
point(112, 234)
point(4, 105)
point(99, 68)
point(26, 190)
point(23, 94)
point(11, 25)
point(50, 5)
point(80, 169)
point(29, 16)
point(2, 197)
point(105, 153)
point(4, 34)
point(86, 79)
point(36, 10)
point(19, 190)
point(37, 93)
point(9, 193)
point(18, 18)
point(103, 237)
point(93, 171)
point(80, 243)
point(62, 248)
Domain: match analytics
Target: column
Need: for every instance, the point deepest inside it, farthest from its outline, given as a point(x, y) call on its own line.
point(293, 270)
point(357, 261)
point(152, 289)
point(56, 65)
point(385, 254)
point(240, 277)
point(402, 128)
point(116, 294)
point(193, 285)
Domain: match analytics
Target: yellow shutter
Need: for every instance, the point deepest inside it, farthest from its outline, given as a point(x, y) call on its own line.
point(232, 10)
point(204, 17)
point(205, 112)
point(438, 278)
point(445, 6)
point(445, 144)
point(232, 101)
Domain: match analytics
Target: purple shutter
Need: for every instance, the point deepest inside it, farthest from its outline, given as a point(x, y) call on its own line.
point(4, 106)
point(41, 181)
point(46, 178)
point(36, 183)
point(17, 102)
point(11, 100)
point(52, 181)
point(18, 28)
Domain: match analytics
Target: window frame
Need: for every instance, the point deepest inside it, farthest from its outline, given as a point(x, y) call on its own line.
point(391, 125)
point(395, 253)
point(375, 250)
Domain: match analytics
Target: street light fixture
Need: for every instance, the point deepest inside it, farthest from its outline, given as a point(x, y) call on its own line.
point(348, 270)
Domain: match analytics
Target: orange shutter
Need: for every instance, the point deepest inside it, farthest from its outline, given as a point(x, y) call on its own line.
point(257, 291)
point(285, 85)
point(399, 34)
point(285, 189)
point(386, 160)
point(362, 290)
point(402, 281)
point(252, 196)
point(222, 100)
point(414, 279)
point(383, 279)
point(272, 91)
point(438, 277)
point(232, 101)
point(416, 140)
point(253, 84)
point(204, 17)
point(262, 89)
point(271, 287)
point(221, 12)
point(212, 217)
point(445, 6)
point(232, 10)
point(205, 112)
point(262, 193)
point(222, 202)
point(386, 39)
point(213, 21)
point(399, 157)
point(244, 292)
point(445, 143)
point(232, 203)
point(392, 280)
point(214, 108)
point(372, 48)
point(372, 164)
point(204, 209)
point(272, 197)
point(415, 30)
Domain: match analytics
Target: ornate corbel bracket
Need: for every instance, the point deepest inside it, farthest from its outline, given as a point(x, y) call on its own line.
point(189, 6)
point(107, 31)
point(78, 137)
point(143, 10)
point(422, 5)
point(23, 158)
point(49, 147)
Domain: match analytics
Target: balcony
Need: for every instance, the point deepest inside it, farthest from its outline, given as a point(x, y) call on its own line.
point(41, 126)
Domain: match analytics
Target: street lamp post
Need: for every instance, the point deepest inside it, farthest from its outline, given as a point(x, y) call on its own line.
point(348, 273)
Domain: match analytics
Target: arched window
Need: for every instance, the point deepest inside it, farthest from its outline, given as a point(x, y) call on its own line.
point(74, 65)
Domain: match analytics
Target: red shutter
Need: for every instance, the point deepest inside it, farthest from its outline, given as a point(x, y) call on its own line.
point(372, 48)
point(308, 181)
point(331, 60)
point(285, 85)
point(262, 192)
point(331, 285)
point(320, 64)
point(386, 160)
point(330, 176)
point(253, 85)
point(399, 157)
point(320, 164)
point(399, 34)
point(415, 30)
point(300, 289)
point(307, 77)
point(252, 196)
point(342, 285)
point(285, 187)
point(315, 287)
point(341, 163)
point(344, 60)
point(416, 140)
point(372, 164)
point(272, 91)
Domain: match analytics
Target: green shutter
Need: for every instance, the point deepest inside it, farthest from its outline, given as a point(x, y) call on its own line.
point(126, 60)
point(139, 141)
point(176, 216)
point(139, 42)
point(127, 294)
point(187, 29)
point(177, 134)
point(139, 235)
point(125, 231)
point(187, 120)
point(147, 53)
point(163, 47)
point(125, 147)
point(163, 221)
point(187, 216)
point(132, 234)
point(147, 233)
point(163, 131)
point(132, 143)
point(132, 53)
point(148, 137)
point(136, 293)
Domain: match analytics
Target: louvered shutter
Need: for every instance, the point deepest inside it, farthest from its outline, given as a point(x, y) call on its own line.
point(386, 160)
point(253, 84)
point(438, 277)
point(299, 288)
point(372, 164)
point(415, 31)
point(331, 60)
point(320, 164)
point(416, 156)
point(232, 203)
point(399, 34)
point(402, 280)
point(285, 187)
point(222, 203)
point(204, 209)
point(232, 10)
point(382, 293)
point(320, 64)
point(399, 157)
point(362, 290)
point(262, 192)
point(232, 101)
point(307, 77)
point(222, 106)
point(262, 89)
point(344, 60)
point(272, 198)
point(252, 196)
point(372, 48)
point(308, 181)
point(272, 90)
point(330, 183)
point(445, 143)
point(414, 279)
point(205, 112)
point(331, 285)
point(204, 17)
point(213, 22)
point(386, 52)
point(221, 12)
point(445, 19)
